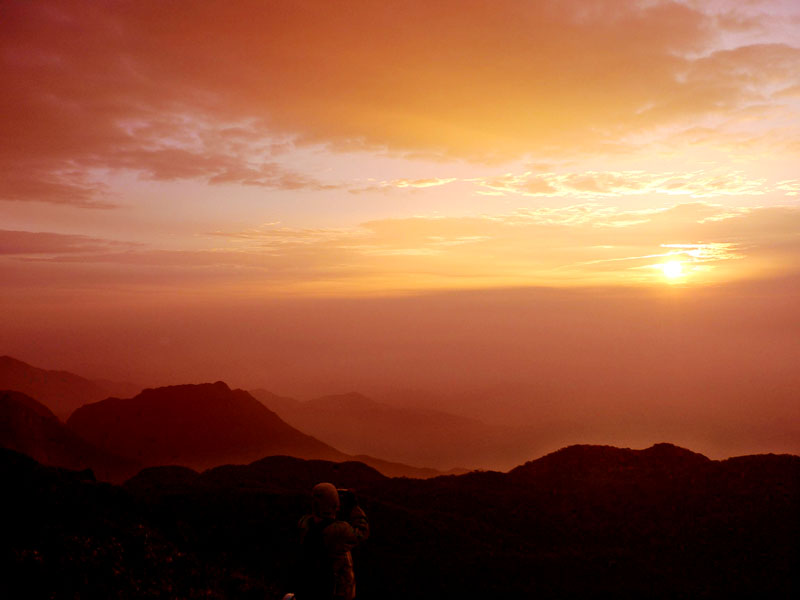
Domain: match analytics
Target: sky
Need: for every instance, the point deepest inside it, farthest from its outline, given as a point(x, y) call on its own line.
point(450, 197)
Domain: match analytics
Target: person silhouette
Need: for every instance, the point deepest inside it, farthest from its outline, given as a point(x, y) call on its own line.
point(336, 525)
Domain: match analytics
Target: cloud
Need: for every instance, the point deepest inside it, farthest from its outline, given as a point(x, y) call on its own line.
point(212, 92)
point(593, 185)
point(26, 180)
point(790, 186)
point(402, 184)
point(26, 243)
point(580, 245)
point(598, 184)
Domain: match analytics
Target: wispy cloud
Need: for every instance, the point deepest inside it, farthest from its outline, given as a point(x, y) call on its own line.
point(790, 186)
point(600, 184)
point(27, 243)
point(576, 245)
point(412, 184)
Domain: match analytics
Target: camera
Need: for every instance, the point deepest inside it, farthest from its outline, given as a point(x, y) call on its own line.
point(347, 502)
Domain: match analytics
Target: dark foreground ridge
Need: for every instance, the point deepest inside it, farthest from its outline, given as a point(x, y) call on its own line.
point(583, 522)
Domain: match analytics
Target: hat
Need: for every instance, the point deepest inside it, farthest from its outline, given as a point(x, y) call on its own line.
point(325, 500)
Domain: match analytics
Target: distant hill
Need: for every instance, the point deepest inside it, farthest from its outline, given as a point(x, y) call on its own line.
point(360, 425)
point(396, 469)
point(28, 426)
point(591, 461)
point(118, 389)
point(198, 426)
point(61, 391)
point(273, 473)
point(203, 426)
point(282, 405)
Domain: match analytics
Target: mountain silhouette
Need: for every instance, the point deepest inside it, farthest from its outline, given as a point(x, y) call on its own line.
point(61, 391)
point(29, 427)
point(198, 426)
point(360, 425)
point(283, 406)
point(582, 461)
point(205, 425)
point(281, 474)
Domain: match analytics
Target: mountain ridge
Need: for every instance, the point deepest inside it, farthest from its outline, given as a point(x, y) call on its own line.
point(358, 424)
point(196, 425)
point(61, 391)
point(206, 425)
point(31, 428)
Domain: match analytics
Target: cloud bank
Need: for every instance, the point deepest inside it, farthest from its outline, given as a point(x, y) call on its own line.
point(214, 93)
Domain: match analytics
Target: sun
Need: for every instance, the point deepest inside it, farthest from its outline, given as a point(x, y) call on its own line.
point(672, 269)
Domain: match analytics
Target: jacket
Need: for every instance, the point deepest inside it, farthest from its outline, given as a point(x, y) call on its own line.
point(338, 538)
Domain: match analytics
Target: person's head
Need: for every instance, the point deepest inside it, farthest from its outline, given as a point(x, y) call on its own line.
point(324, 500)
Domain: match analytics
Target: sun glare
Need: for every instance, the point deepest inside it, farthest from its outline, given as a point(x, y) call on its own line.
point(672, 269)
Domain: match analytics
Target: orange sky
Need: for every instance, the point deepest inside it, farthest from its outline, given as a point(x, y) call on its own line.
point(156, 155)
